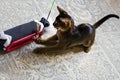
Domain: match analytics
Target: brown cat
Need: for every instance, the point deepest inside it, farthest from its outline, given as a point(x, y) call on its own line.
point(68, 35)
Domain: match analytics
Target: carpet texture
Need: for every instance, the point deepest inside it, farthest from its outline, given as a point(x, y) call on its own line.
point(101, 63)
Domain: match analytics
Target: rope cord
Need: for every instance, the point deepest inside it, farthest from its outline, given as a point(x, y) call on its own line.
point(51, 9)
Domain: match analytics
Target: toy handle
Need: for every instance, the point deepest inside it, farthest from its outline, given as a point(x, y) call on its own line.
point(45, 22)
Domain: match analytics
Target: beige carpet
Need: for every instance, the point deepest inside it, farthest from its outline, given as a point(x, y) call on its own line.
point(101, 63)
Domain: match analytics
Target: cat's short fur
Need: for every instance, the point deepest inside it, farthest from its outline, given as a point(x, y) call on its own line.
point(68, 35)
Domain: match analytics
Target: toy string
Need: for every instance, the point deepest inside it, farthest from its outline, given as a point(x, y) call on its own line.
point(51, 9)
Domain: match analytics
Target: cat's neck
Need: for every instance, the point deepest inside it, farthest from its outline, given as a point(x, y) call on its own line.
point(74, 29)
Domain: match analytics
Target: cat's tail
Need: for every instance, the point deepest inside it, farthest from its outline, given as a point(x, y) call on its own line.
point(98, 23)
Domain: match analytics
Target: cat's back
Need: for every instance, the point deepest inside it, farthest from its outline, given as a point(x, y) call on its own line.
point(85, 29)
point(75, 35)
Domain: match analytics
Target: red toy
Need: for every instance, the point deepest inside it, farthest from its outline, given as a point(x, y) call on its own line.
point(21, 35)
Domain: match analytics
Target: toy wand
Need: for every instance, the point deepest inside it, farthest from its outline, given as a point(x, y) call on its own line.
point(51, 9)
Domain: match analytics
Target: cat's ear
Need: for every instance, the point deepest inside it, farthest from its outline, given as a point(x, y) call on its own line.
point(61, 11)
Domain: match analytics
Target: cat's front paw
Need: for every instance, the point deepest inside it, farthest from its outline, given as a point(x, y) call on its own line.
point(39, 50)
point(39, 41)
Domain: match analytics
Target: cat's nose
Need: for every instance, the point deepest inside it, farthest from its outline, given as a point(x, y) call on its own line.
point(54, 24)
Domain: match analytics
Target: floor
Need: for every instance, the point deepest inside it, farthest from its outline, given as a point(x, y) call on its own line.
point(101, 63)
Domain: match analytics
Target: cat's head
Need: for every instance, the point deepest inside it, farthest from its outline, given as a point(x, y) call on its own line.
point(63, 21)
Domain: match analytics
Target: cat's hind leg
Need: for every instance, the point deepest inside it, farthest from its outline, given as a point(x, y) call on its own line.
point(87, 46)
point(87, 49)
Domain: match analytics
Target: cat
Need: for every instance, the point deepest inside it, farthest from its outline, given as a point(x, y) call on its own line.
point(68, 35)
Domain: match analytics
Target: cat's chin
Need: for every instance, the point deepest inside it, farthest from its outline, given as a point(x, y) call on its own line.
point(63, 30)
